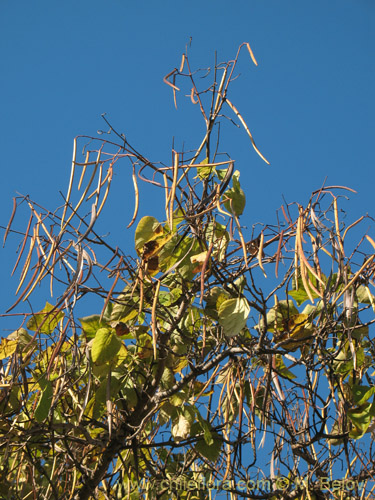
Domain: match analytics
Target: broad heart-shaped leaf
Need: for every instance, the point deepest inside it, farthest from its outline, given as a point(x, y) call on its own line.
point(177, 250)
point(19, 338)
point(105, 346)
point(181, 428)
point(233, 314)
point(45, 320)
point(364, 296)
point(277, 315)
point(91, 324)
point(361, 418)
point(361, 393)
point(203, 171)
point(7, 347)
point(148, 229)
point(234, 198)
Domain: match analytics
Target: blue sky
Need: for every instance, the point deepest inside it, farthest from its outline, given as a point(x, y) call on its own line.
point(309, 103)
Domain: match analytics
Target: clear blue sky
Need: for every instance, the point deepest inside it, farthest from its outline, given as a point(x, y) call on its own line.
point(310, 102)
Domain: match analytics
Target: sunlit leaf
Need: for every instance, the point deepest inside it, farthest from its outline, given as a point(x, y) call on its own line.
point(105, 346)
point(298, 329)
point(233, 314)
point(45, 320)
point(361, 418)
point(277, 315)
point(364, 296)
point(148, 228)
point(181, 428)
point(7, 347)
point(282, 370)
point(91, 324)
point(203, 171)
point(234, 198)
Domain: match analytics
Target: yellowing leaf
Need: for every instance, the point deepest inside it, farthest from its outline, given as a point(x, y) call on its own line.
point(181, 428)
point(234, 198)
point(7, 347)
point(45, 320)
point(91, 324)
point(105, 346)
point(148, 228)
point(298, 329)
point(233, 314)
point(203, 171)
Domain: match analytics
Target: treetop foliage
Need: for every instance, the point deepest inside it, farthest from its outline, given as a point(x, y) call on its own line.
point(217, 357)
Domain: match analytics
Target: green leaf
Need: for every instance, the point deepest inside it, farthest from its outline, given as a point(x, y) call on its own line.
point(7, 347)
point(234, 198)
point(364, 296)
point(91, 324)
point(214, 297)
point(277, 315)
point(45, 400)
point(204, 172)
point(233, 314)
point(361, 418)
point(176, 250)
point(282, 370)
point(45, 320)
point(168, 298)
point(219, 236)
point(361, 393)
point(105, 346)
point(299, 293)
point(209, 451)
point(148, 228)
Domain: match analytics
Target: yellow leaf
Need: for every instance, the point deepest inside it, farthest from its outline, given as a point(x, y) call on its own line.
point(7, 347)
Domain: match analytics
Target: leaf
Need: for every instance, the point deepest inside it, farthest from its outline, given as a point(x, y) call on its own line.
point(204, 172)
point(219, 236)
point(361, 418)
point(45, 401)
point(19, 338)
point(176, 250)
point(105, 346)
point(97, 405)
point(234, 198)
point(210, 451)
point(298, 329)
point(361, 394)
point(214, 297)
point(181, 428)
point(45, 320)
point(278, 314)
point(148, 228)
point(91, 324)
point(282, 370)
point(364, 296)
point(233, 314)
point(299, 294)
point(7, 347)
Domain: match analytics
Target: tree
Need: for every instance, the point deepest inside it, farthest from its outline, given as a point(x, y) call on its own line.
point(196, 372)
